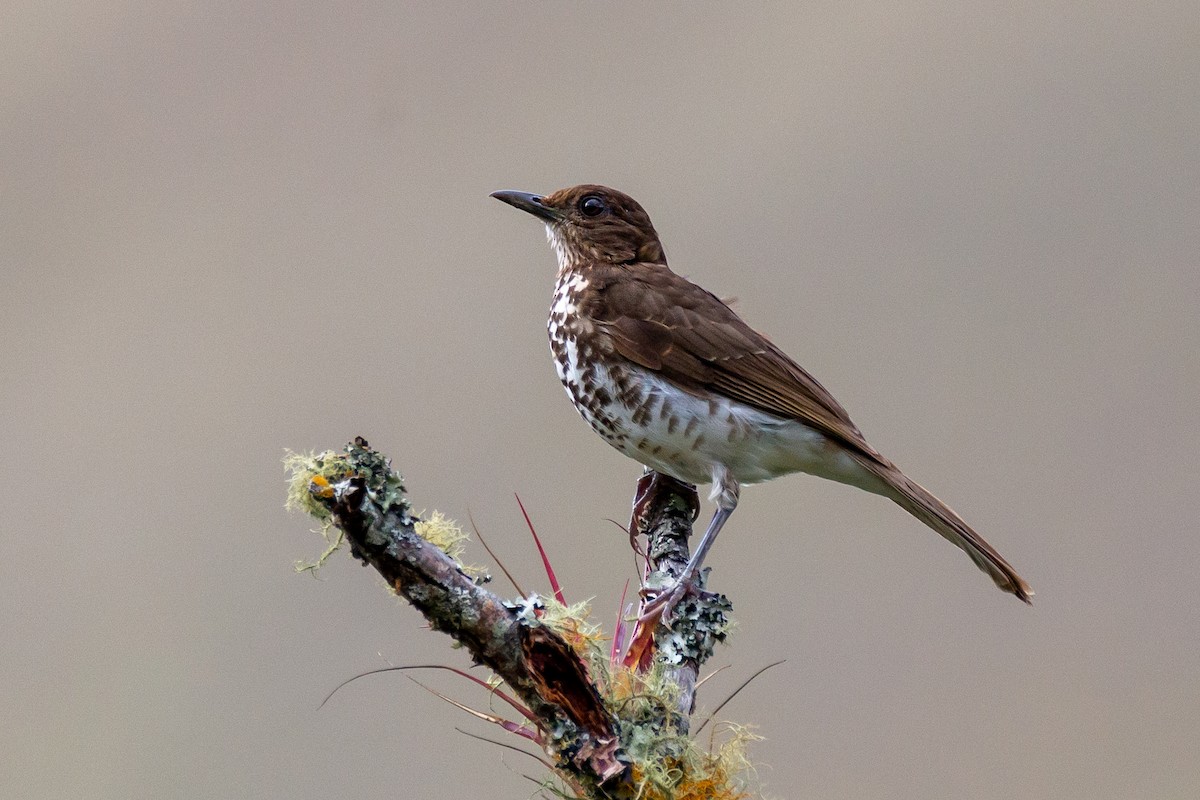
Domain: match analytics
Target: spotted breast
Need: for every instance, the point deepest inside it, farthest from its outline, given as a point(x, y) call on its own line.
point(591, 385)
point(655, 422)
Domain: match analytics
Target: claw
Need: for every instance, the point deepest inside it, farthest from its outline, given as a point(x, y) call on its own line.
point(664, 604)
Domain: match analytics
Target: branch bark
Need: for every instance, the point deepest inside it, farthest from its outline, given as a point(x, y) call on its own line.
point(664, 509)
point(590, 742)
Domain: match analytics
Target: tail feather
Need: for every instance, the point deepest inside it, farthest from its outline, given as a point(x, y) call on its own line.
point(922, 504)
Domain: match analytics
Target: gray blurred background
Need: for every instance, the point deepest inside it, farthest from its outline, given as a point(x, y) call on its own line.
point(226, 230)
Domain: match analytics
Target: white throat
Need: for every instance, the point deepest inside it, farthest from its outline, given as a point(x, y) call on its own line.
point(561, 251)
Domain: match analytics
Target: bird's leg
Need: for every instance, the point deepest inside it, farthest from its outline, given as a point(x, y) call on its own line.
point(720, 516)
point(725, 493)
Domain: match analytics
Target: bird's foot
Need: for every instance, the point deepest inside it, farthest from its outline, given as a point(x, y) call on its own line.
point(694, 619)
point(640, 651)
point(666, 600)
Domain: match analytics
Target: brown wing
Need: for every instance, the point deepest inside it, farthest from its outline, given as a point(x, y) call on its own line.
point(667, 324)
point(659, 320)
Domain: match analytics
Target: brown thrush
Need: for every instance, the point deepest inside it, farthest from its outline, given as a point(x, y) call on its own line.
point(672, 377)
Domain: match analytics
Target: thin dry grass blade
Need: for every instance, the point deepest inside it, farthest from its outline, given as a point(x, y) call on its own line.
point(503, 695)
point(508, 725)
point(513, 747)
point(724, 702)
point(499, 563)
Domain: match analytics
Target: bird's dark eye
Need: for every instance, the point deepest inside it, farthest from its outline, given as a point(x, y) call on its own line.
point(592, 206)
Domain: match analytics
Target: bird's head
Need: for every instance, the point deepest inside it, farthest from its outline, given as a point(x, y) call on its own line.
point(592, 223)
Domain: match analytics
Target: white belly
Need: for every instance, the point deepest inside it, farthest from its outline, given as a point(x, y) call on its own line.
point(686, 436)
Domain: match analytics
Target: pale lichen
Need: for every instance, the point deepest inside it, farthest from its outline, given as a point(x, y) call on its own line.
point(442, 532)
point(314, 480)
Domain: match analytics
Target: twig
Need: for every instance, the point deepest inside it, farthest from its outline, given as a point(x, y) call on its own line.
point(366, 501)
point(664, 510)
point(583, 733)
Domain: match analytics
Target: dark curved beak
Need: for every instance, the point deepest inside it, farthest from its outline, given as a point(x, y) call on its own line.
point(528, 202)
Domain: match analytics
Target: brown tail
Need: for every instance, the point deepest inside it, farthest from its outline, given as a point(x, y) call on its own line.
point(920, 502)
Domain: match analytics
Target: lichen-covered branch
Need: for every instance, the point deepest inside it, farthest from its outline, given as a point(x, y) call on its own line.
point(360, 495)
point(663, 511)
point(614, 728)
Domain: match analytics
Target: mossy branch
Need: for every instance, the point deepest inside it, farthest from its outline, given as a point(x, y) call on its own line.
point(612, 730)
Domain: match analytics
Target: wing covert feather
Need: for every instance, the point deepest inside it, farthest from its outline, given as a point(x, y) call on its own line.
point(661, 321)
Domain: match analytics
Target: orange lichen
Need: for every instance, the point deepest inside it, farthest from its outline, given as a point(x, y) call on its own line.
point(320, 487)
